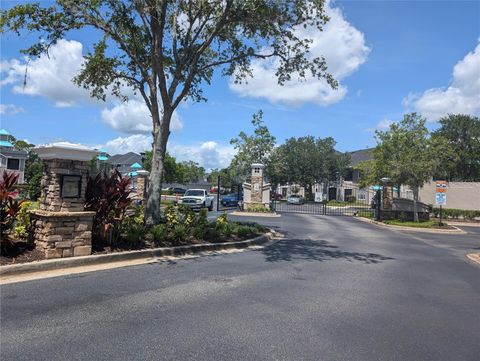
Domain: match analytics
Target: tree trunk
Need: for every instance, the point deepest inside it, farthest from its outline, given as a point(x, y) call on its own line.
point(160, 135)
point(415, 200)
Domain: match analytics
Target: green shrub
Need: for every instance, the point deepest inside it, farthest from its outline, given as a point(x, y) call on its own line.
point(186, 215)
point(199, 232)
point(159, 233)
point(245, 231)
point(257, 208)
point(179, 233)
point(351, 199)
point(22, 223)
point(172, 217)
point(456, 213)
point(212, 234)
point(202, 217)
point(134, 233)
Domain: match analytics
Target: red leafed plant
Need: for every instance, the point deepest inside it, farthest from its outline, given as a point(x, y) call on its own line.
point(109, 197)
point(9, 206)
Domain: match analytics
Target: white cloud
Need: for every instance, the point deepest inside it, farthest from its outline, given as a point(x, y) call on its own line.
point(49, 76)
point(344, 49)
point(208, 154)
point(10, 109)
point(133, 117)
point(461, 96)
point(383, 124)
point(134, 143)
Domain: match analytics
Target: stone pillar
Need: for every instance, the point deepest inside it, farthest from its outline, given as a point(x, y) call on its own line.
point(61, 228)
point(141, 184)
point(257, 183)
point(257, 193)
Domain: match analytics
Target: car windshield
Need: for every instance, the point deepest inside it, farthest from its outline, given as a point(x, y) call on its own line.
point(294, 196)
point(194, 193)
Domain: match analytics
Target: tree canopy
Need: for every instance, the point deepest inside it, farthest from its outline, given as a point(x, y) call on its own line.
point(307, 161)
point(406, 154)
point(254, 148)
point(462, 133)
point(177, 172)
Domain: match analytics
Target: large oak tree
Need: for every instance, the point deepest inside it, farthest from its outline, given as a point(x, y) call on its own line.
point(168, 50)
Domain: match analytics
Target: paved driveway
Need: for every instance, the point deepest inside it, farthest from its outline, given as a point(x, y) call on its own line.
point(334, 289)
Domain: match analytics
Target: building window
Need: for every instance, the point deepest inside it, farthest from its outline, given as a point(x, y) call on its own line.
point(13, 164)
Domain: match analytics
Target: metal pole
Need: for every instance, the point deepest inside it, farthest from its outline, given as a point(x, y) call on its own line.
point(440, 215)
point(218, 193)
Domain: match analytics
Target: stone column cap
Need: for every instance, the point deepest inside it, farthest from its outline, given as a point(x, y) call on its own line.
point(66, 150)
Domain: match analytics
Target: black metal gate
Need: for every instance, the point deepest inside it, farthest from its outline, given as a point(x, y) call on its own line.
point(345, 199)
point(228, 194)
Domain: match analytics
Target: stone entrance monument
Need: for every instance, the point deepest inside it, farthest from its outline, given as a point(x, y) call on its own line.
point(256, 193)
point(61, 227)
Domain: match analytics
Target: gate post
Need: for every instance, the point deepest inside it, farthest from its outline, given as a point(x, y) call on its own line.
point(61, 226)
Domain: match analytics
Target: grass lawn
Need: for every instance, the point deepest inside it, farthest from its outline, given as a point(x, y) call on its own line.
point(365, 214)
point(423, 224)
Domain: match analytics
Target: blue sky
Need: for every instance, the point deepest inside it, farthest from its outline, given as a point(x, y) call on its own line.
point(390, 58)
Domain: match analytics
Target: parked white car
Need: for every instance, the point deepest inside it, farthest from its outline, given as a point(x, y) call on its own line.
point(197, 199)
point(295, 199)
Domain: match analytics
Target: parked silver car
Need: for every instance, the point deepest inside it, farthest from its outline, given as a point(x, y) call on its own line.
point(295, 199)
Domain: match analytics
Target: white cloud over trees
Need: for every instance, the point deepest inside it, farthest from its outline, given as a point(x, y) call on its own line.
point(340, 43)
point(461, 96)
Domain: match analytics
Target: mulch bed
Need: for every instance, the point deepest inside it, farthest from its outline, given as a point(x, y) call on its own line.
point(21, 253)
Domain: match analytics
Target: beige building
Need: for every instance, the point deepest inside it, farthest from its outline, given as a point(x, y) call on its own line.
point(460, 195)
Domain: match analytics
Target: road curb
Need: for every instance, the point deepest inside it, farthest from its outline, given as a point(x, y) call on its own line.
point(474, 257)
point(464, 224)
point(62, 263)
point(255, 214)
point(414, 229)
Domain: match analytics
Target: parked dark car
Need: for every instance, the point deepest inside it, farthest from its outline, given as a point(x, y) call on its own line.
point(231, 200)
point(179, 191)
point(275, 196)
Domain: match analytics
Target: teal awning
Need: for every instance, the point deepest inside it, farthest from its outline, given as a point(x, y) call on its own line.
point(5, 143)
point(136, 166)
point(102, 157)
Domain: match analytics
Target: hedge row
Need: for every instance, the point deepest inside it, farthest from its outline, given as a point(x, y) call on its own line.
point(456, 213)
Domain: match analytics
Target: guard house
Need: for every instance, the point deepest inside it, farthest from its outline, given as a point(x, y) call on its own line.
point(11, 159)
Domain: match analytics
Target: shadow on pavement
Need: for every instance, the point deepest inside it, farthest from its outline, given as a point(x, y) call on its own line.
point(303, 249)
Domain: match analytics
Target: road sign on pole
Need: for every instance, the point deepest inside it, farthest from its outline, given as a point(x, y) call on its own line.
point(441, 193)
point(441, 199)
point(441, 186)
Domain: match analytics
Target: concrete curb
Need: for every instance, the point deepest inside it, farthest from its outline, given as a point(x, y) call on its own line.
point(475, 257)
point(413, 229)
point(255, 214)
point(61, 263)
point(464, 224)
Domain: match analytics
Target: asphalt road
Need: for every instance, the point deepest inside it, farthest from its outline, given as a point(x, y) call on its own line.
point(334, 288)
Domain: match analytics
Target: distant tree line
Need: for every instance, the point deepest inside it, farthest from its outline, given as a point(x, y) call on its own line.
point(177, 172)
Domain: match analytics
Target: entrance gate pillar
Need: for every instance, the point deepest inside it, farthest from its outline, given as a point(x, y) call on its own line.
point(61, 227)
